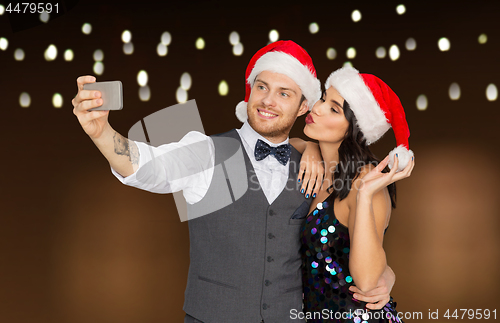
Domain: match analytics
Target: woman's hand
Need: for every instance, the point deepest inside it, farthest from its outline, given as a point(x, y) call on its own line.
point(375, 180)
point(311, 171)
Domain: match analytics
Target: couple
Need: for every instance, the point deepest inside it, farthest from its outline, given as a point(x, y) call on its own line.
point(274, 250)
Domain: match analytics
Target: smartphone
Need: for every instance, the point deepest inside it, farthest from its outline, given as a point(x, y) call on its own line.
point(111, 94)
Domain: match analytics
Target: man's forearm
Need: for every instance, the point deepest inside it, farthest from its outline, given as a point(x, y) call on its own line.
point(121, 153)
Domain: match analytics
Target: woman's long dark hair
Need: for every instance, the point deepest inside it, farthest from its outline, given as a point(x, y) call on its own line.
point(354, 153)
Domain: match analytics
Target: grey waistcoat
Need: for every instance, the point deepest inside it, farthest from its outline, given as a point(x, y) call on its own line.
point(245, 259)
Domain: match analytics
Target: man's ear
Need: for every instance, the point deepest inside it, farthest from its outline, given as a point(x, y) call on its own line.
point(303, 109)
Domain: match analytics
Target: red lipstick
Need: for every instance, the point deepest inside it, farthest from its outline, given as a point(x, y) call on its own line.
point(309, 119)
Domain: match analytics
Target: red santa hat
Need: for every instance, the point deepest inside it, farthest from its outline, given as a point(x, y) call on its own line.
point(284, 57)
point(376, 107)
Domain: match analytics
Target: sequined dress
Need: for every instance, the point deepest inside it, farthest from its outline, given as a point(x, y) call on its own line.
point(325, 272)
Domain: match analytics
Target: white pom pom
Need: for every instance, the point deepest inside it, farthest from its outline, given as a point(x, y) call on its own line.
point(241, 111)
point(404, 157)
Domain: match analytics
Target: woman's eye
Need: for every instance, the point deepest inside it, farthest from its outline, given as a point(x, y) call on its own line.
point(323, 100)
point(260, 87)
point(334, 110)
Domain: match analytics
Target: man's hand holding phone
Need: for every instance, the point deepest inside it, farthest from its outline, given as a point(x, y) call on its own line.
point(92, 96)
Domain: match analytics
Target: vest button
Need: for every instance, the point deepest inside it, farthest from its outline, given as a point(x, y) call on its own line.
point(269, 259)
point(265, 306)
point(270, 236)
point(271, 212)
point(267, 282)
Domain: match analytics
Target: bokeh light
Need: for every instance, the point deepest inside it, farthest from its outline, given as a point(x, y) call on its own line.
point(142, 78)
point(19, 54)
point(200, 43)
point(166, 38)
point(454, 91)
point(4, 43)
point(491, 92)
point(68, 55)
point(482, 39)
point(161, 49)
point(50, 53)
point(313, 28)
point(411, 44)
point(86, 28)
point(380, 52)
point(234, 38)
point(186, 81)
point(351, 53)
point(347, 64)
point(44, 17)
point(98, 68)
point(24, 100)
point(2, 9)
point(331, 53)
point(238, 49)
point(401, 9)
point(57, 100)
point(126, 36)
point(422, 102)
point(144, 93)
point(98, 55)
point(394, 52)
point(181, 95)
point(128, 48)
point(356, 15)
point(444, 44)
point(274, 35)
point(223, 88)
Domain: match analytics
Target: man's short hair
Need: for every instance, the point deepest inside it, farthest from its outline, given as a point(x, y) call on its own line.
point(302, 99)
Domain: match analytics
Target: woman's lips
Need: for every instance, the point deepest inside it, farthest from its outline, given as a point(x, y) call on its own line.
point(309, 119)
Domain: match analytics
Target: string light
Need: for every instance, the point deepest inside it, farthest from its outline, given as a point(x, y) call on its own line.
point(356, 15)
point(331, 53)
point(86, 28)
point(422, 102)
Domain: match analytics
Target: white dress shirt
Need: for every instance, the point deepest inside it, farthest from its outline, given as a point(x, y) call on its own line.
point(159, 167)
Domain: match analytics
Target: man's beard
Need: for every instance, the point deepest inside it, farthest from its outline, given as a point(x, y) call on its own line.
point(278, 129)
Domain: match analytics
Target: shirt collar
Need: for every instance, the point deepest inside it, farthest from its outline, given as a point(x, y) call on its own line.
point(250, 136)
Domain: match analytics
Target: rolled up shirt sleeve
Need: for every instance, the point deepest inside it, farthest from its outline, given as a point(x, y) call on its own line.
point(186, 165)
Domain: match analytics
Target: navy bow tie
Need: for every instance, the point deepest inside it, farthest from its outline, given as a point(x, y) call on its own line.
point(282, 152)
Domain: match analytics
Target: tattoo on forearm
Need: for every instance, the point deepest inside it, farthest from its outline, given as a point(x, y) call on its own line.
point(125, 147)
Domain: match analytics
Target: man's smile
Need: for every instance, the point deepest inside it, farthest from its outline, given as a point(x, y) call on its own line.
point(266, 114)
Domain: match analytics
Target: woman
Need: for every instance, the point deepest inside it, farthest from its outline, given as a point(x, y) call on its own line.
point(343, 234)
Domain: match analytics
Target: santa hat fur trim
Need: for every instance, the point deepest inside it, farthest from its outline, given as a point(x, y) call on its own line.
point(350, 85)
point(376, 107)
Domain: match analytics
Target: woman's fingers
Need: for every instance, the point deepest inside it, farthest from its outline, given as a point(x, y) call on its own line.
point(302, 170)
point(310, 185)
point(319, 181)
point(383, 164)
point(305, 182)
point(406, 172)
point(395, 165)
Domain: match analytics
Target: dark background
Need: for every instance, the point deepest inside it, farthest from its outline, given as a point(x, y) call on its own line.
point(78, 246)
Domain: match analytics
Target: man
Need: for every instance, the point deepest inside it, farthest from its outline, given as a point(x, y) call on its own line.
point(245, 261)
